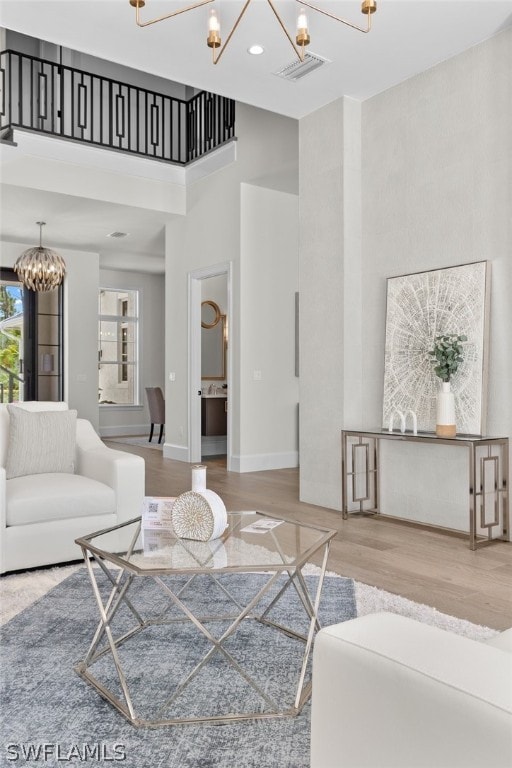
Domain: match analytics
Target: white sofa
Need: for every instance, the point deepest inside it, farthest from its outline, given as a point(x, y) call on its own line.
point(41, 515)
point(391, 692)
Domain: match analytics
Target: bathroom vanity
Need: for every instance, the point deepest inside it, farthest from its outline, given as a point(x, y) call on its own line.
point(214, 413)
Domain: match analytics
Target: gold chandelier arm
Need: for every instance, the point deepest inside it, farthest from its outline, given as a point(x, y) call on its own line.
point(168, 15)
point(235, 25)
point(298, 51)
point(337, 18)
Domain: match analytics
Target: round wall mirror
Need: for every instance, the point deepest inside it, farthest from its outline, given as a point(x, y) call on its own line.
point(210, 314)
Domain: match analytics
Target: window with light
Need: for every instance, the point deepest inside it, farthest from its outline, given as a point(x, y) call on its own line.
point(118, 367)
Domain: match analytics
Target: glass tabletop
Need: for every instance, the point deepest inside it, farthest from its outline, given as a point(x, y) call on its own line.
point(252, 541)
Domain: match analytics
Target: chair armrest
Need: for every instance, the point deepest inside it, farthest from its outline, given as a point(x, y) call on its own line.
point(390, 691)
point(123, 472)
point(3, 513)
point(3, 498)
point(86, 437)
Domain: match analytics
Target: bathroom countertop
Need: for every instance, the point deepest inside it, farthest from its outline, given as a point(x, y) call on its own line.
point(216, 394)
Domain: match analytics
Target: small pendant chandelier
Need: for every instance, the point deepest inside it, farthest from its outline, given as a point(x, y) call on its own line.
point(39, 268)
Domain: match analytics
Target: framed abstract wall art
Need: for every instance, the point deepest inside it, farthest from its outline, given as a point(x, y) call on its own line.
point(419, 307)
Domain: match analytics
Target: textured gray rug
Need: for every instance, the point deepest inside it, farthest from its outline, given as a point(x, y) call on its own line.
point(49, 714)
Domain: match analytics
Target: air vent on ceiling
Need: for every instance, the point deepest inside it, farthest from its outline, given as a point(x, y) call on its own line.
point(118, 234)
point(298, 69)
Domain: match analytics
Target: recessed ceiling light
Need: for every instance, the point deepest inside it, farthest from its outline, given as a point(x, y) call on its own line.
point(118, 234)
point(255, 50)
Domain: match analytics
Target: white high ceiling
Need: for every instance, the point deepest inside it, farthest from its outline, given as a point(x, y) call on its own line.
point(408, 36)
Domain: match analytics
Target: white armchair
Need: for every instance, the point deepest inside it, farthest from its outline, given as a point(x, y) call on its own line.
point(42, 514)
point(391, 692)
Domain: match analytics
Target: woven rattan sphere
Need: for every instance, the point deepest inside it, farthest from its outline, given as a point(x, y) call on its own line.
point(199, 515)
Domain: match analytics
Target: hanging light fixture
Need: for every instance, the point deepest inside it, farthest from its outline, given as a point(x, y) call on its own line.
point(40, 268)
point(302, 39)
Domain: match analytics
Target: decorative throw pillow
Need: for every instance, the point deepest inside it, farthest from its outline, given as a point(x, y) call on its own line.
point(40, 441)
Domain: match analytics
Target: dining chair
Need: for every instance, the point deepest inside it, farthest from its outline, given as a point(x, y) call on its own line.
point(156, 405)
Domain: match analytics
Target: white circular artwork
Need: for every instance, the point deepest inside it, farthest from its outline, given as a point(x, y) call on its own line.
point(199, 515)
point(419, 308)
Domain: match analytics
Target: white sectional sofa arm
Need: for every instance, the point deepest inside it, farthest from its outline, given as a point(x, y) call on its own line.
point(123, 472)
point(3, 515)
point(391, 692)
point(3, 499)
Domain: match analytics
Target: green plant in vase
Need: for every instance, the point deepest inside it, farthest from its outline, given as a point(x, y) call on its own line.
point(446, 356)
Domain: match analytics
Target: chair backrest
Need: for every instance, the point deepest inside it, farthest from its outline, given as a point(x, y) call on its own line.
point(29, 405)
point(156, 404)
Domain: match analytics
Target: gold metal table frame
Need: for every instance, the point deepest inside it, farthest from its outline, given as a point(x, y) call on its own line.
point(128, 570)
point(488, 463)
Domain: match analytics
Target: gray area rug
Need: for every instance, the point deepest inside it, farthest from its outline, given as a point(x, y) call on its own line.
point(47, 709)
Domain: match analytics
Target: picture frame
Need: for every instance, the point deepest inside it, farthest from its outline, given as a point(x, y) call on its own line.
point(419, 307)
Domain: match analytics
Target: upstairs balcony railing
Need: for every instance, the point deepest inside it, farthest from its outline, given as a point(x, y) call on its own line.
point(57, 100)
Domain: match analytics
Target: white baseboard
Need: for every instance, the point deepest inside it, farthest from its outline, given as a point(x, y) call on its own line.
point(177, 452)
point(133, 430)
point(261, 461)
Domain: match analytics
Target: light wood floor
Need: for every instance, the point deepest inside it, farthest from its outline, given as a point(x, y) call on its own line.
point(426, 566)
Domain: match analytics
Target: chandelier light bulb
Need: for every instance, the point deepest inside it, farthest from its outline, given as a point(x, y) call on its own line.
point(302, 20)
point(302, 28)
point(213, 21)
point(213, 40)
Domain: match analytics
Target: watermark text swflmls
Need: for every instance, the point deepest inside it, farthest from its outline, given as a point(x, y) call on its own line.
point(65, 753)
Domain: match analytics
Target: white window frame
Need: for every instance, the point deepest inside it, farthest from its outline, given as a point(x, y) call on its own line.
point(123, 320)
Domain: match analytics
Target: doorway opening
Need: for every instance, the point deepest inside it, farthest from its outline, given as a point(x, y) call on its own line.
point(210, 364)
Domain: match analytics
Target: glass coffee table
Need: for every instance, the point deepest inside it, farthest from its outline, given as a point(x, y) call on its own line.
point(183, 624)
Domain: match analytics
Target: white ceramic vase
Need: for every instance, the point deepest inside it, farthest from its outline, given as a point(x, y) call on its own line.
point(445, 421)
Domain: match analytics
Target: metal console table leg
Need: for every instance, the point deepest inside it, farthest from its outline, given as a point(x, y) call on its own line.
point(488, 487)
point(368, 449)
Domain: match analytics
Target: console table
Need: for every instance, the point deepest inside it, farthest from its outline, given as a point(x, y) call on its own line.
point(488, 477)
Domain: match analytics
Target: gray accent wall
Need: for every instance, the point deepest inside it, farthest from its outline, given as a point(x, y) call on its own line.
point(434, 190)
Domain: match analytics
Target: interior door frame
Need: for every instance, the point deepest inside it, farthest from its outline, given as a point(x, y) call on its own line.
point(194, 357)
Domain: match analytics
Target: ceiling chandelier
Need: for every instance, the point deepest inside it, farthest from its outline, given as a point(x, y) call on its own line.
point(302, 37)
point(39, 268)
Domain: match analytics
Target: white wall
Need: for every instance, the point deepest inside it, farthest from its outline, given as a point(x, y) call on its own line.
point(435, 190)
point(80, 325)
point(216, 289)
point(321, 312)
point(210, 234)
point(437, 170)
point(268, 282)
point(134, 420)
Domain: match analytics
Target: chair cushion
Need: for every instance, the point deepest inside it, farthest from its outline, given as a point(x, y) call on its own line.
point(56, 496)
point(40, 442)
